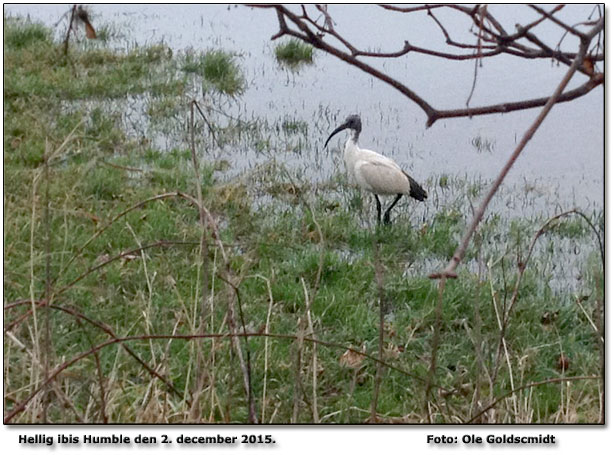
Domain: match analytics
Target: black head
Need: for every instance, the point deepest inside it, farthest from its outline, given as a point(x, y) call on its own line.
point(352, 122)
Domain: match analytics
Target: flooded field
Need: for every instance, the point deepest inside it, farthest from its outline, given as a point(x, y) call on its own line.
point(563, 163)
point(110, 229)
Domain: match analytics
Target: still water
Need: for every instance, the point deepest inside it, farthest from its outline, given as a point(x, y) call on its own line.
point(563, 165)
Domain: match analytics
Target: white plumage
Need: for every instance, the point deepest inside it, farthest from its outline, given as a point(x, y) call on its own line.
point(374, 172)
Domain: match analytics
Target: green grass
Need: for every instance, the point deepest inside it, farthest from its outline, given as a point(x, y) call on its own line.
point(572, 227)
point(299, 246)
point(22, 34)
point(218, 69)
point(294, 126)
point(37, 68)
point(294, 53)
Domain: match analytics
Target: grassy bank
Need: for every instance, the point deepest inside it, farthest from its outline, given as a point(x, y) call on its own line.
point(117, 306)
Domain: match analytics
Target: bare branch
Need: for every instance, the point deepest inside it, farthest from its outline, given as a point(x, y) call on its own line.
point(558, 22)
point(529, 386)
point(20, 407)
point(503, 108)
point(308, 36)
point(449, 271)
point(109, 331)
point(411, 9)
point(407, 48)
point(522, 30)
point(449, 40)
point(305, 28)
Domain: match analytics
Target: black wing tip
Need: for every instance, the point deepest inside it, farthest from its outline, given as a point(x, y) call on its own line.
point(415, 190)
point(418, 194)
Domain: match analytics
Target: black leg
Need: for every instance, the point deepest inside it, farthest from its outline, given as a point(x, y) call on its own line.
point(379, 209)
point(387, 214)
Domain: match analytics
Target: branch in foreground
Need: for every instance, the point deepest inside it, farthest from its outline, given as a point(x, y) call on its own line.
point(22, 405)
point(107, 329)
point(528, 386)
point(450, 270)
point(307, 29)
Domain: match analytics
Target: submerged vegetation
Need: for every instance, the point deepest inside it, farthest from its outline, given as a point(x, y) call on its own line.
point(483, 144)
point(218, 69)
point(113, 291)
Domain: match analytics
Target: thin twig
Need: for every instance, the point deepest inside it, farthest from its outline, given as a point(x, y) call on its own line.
point(70, 28)
point(106, 329)
point(246, 365)
point(207, 219)
point(314, 356)
point(101, 385)
point(478, 60)
point(206, 120)
point(298, 366)
point(590, 321)
point(160, 243)
point(434, 348)
point(47, 223)
point(204, 254)
point(449, 271)
point(33, 307)
point(20, 407)
point(379, 281)
point(501, 323)
point(117, 217)
point(528, 386)
point(558, 22)
point(266, 346)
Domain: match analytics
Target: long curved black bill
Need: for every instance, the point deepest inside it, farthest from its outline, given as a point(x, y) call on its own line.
point(337, 130)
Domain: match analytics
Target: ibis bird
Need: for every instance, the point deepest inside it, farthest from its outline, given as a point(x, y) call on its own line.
point(374, 172)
